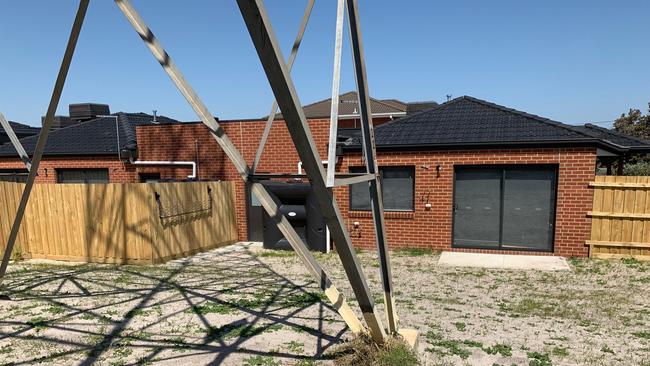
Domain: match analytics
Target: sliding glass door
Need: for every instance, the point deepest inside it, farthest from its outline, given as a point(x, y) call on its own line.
point(477, 208)
point(504, 207)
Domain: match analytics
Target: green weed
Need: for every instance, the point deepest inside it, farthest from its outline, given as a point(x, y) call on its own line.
point(38, 323)
point(294, 346)
point(211, 308)
point(560, 351)
point(261, 361)
point(606, 349)
point(539, 359)
point(55, 309)
point(645, 334)
point(413, 252)
point(276, 254)
point(460, 326)
point(502, 349)
point(471, 343)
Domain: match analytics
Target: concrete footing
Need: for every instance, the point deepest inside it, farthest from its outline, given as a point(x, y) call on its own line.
point(410, 336)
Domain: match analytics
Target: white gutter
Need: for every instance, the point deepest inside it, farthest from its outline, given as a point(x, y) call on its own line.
point(374, 115)
point(186, 163)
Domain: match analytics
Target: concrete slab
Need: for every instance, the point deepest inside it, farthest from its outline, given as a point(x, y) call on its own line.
point(503, 261)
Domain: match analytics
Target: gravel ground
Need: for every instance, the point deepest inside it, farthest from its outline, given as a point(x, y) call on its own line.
point(245, 306)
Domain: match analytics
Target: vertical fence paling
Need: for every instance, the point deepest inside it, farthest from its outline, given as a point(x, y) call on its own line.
point(120, 223)
point(620, 217)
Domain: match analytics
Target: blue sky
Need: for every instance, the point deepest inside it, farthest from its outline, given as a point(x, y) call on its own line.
point(572, 61)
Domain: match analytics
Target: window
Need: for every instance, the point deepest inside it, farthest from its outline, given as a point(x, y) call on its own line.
point(149, 177)
point(13, 175)
point(397, 183)
point(505, 207)
point(82, 176)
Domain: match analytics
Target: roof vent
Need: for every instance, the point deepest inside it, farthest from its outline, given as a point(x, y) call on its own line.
point(155, 117)
point(88, 111)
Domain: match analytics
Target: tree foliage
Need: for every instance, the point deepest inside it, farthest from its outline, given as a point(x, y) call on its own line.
point(634, 123)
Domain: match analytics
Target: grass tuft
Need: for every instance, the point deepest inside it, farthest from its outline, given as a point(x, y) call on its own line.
point(413, 252)
point(211, 308)
point(539, 359)
point(502, 349)
point(644, 334)
point(276, 254)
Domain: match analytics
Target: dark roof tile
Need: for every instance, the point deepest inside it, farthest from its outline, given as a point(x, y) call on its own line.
point(94, 137)
point(613, 136)
point(471, 121)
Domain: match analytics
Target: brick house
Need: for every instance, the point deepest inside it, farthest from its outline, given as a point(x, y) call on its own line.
point(466, 175)
point(90, 146)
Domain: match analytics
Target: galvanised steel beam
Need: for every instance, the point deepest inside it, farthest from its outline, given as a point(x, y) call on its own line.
point(14, 141)
point(370, 154)
point(336, 82)
point(353, 180)
point(268, 50)
point(236, 158)
point(42, 137)
point(274, 108)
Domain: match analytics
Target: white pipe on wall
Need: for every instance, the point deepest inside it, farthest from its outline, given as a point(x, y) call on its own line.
point(190, 163)
point(324, 162)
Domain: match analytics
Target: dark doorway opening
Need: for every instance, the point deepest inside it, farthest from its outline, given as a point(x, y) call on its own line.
point(254, 216)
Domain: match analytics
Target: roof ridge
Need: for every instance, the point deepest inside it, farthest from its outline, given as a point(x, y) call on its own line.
point(531, 116)
point(325, 100)
point(20, 124)
point(410, 116)
point(386, 104)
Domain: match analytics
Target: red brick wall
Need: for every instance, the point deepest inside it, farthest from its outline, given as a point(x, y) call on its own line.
point(429, 228)
point(118, 172)
point(180, 142)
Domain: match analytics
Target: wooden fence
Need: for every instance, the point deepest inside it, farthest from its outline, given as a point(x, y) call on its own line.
point(120, 223)
point(620, 217)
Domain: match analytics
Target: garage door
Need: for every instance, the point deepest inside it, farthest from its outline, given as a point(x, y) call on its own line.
point(504, 207)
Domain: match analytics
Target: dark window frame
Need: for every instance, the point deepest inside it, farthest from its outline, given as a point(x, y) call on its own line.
point(553, 202)
point(60, 170)
point(362, 169)
point(14, 175)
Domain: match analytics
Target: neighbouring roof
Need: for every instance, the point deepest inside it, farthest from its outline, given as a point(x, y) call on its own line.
point(95, 137)
point(631, 142)
point(22, 129)
point(349, 106)
point(468, 121)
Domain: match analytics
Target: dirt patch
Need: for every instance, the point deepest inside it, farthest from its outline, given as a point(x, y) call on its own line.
point(241, 306)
